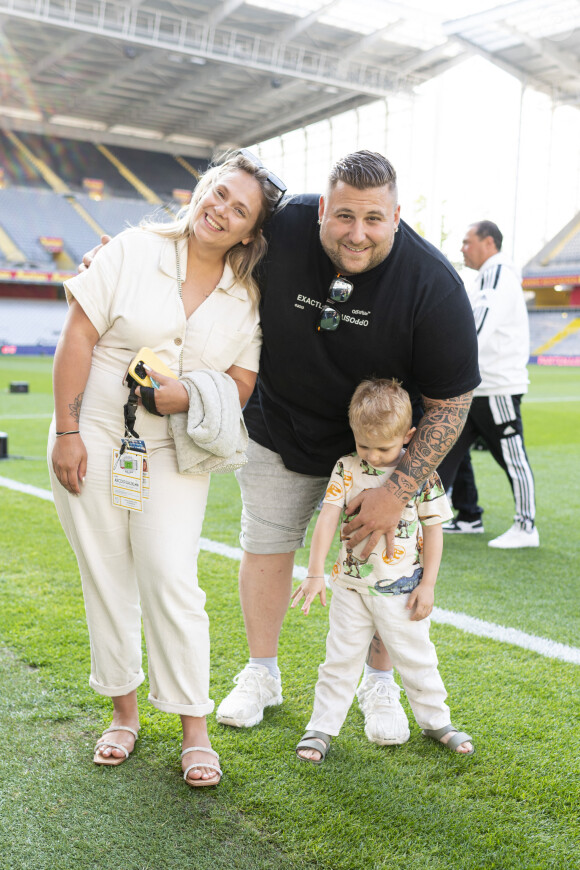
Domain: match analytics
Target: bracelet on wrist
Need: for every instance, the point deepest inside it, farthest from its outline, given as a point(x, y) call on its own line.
point(314, 576)
point(70, 432)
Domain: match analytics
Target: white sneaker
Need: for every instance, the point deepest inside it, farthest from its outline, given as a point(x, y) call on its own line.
point(385, 720)
point(515, 538)
point(255, 690)
point(463, 527)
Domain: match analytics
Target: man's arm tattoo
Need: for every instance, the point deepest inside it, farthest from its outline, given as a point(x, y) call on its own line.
point(75, 407)
point(437, 432)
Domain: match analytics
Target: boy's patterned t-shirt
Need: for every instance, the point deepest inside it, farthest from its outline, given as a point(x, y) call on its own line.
point(379, 574)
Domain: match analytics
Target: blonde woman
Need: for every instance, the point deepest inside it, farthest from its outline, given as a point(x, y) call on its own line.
point(186, 290)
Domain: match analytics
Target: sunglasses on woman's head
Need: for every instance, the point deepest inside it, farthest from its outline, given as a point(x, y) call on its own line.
point(273, 179)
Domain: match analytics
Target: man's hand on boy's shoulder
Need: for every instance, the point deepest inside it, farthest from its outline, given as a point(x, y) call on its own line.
point(379, 514)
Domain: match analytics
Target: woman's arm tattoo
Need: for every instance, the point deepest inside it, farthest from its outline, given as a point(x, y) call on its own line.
point(437, 432)
point(75, 407)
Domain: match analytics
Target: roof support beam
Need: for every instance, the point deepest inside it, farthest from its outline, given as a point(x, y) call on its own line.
point(325, 107)
point(499, 13)
point(302, 24)
point(115, 77)
point(366, 41)
point(221, 12)
point(564, 61)
point(427, 58)
point(190, 36)
point(502, 64)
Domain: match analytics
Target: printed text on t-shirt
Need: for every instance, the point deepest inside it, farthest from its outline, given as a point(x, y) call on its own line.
point(314, 303)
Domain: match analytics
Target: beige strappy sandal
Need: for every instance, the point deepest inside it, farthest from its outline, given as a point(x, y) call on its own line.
point(195, 783)
point(112, 760)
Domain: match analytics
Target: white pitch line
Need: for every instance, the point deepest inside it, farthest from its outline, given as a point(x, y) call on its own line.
point(542, 645)
point(470, 624)
point(26, 488)
point(25, 417)
point(529, 400)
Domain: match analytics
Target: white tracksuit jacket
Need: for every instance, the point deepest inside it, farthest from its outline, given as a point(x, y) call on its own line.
point(501, 320)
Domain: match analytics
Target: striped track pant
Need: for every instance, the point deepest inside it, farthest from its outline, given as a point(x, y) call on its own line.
point(498, 420)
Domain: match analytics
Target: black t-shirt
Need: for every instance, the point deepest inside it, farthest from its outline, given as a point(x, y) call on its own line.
point(408, 318)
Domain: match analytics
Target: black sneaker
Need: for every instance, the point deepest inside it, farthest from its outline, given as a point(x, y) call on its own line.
point(463, 527)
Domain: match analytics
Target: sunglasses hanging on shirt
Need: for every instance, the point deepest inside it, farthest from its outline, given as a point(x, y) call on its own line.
point(340, 290)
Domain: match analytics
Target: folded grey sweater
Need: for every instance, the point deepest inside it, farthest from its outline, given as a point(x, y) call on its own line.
point(211, 435)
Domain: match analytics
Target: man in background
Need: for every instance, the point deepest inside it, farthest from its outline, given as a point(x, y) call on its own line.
point(501, 320)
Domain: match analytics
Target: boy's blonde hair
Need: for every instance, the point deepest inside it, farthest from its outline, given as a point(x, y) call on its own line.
point(380, 406)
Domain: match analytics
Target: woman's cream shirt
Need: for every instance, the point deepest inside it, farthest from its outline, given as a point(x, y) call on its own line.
point(131, 297)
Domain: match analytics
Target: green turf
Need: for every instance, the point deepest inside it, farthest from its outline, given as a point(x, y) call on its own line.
point(513, 805)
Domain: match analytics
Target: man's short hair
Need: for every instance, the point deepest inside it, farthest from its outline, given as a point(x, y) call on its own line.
point(363, 169)
point(483, 229)
point(380, 406)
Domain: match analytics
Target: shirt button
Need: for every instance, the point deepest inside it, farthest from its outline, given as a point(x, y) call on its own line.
point(178, 341)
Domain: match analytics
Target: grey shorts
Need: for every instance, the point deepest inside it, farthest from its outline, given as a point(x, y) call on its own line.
point(278, 504)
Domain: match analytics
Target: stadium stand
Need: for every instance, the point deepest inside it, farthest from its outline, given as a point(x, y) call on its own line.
point(570, 345)
point(71, 190)
point(43, 194)
point(36, 325)
point(546, 325)
point(31, 325)
point(115, 215)
point(17, 170)
point(73, 161)
point(553, 273)
point(26, 214)
point(160, 172)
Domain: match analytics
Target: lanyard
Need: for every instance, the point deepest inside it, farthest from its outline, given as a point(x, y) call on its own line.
point(130, 409)
point(130, 413)
point(179, 290)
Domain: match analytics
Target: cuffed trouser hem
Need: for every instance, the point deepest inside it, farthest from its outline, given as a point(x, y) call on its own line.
point(318, 724)
point(196, 710)
point(433, 724)
point(116, 691)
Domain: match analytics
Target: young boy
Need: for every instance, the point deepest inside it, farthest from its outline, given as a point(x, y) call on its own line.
point(392, 596)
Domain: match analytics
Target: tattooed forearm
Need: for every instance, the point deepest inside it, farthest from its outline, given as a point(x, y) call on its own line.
point(437, 432)
point(75, 407)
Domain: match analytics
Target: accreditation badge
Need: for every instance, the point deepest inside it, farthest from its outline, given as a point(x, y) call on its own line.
point(130, 474)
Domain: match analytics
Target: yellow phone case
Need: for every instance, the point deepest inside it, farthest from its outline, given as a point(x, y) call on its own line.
point(146, 356)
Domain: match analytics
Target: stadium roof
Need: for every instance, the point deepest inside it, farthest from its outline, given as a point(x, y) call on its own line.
point(199, 75)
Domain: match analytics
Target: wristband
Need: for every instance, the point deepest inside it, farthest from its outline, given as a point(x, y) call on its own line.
point(70, 432)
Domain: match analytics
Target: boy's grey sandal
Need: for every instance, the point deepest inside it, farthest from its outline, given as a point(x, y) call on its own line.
point(311, 741)
point(453, 742)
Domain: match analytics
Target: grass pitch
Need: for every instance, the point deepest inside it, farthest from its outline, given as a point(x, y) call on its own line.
point(515, 804)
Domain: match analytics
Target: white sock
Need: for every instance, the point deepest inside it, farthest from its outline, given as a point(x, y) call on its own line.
point(387, 676)
point(270, 663)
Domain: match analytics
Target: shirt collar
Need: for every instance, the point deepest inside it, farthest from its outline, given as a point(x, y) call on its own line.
point(494, 260)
